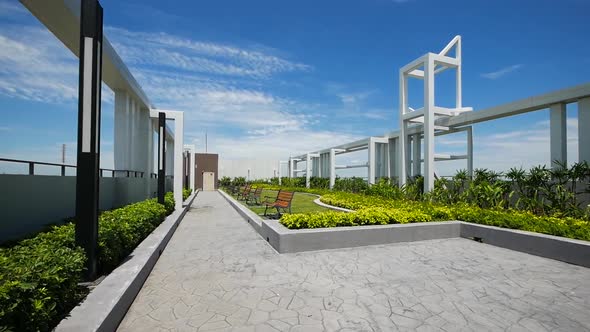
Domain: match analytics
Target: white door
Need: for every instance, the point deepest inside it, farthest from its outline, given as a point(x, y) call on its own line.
point(208, 181)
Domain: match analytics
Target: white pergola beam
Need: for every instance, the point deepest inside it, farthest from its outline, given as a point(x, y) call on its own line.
point(62, 18)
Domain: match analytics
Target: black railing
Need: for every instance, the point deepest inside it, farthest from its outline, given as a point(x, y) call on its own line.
point(114, 172)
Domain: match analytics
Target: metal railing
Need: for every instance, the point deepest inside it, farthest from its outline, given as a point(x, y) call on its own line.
point(114, 172)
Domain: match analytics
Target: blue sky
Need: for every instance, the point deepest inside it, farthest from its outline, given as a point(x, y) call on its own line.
point(270, 78)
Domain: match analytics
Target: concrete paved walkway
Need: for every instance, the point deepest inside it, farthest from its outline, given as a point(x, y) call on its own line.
point(218, 274)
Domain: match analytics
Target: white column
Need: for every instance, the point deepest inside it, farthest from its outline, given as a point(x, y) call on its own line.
point(121, 138)
point(403, 97)
point(178, 148)
point(429, 124)
point(332, 168)
point(417, 154)
point(558, 134)
point(279, 172)
point(170, 158)
point(191, 165)
point(393, 154)
point(371, 157)
point(133, 134)
point(193, 168)
point(458, 87)
point(386, 162)
point(308, 170)
point(584, 130)
point(150, 155)
point(291, 170)
point(470, 152)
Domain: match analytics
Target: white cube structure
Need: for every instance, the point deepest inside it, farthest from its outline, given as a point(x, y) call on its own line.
point(425, 68)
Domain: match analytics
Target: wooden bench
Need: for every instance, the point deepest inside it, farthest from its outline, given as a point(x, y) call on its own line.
point(282, 202)
point(245, 192)
point(255, 196)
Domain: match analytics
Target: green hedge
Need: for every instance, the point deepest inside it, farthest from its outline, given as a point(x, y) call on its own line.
point(372, 210)
point(365, 216)
point(526, 221)
point(186, 193)
point(39, 276)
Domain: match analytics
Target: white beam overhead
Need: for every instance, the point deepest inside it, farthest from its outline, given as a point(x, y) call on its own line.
point(62, 18)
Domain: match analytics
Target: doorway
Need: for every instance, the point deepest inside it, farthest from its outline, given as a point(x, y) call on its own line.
point(208, 181)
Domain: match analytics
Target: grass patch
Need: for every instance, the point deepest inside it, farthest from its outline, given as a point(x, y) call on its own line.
point(302, 203)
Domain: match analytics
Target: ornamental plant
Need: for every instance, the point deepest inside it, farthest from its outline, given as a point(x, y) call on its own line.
point(40, 276)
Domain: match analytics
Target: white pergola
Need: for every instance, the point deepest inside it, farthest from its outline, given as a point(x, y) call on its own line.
point(133, 127)
point(399, 153)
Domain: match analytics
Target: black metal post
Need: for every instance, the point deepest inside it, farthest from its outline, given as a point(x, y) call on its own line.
point(87, 172)
point(31, 168)
point(161, 156)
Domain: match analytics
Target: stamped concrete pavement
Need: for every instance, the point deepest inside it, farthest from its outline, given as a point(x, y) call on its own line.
point(218, 274)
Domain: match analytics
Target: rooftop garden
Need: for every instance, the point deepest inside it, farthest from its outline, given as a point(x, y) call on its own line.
point(543, 200)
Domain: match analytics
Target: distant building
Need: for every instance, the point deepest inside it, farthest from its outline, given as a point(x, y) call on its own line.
point(207, 173)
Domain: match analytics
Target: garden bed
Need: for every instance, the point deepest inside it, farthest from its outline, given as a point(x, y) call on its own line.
point(302, 203)
point(285, 240)
point(40, 277)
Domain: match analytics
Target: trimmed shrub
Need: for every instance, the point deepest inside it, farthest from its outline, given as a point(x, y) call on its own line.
point(39, 276)
point(238, 181)
point(186, 193)
point(319, 183)
point(419, 211)
point(353, 185)
point(225, 181)
point(365, 216)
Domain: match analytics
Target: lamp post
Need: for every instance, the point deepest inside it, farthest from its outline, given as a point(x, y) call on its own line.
point(161, 156)
point(88, 157)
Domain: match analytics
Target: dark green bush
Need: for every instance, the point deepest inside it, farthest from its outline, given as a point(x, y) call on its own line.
point(298, 182)
point(225, 181)
point(186, 193)
point(353, 185)
point(238, 181)
point(39, 276)
point(319, 183)
point(384, 188)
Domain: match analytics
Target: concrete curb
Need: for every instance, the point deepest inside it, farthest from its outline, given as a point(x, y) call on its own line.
point(106, 305)
point(252, 218)
point(285, 240)
point(554, 247)
point(331, 207)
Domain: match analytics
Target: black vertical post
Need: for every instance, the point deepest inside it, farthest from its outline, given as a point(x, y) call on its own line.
point(161, 156)
point(87, 172)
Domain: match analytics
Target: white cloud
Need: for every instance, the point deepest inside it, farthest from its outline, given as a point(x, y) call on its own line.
point(39, 69)
point(220, 87)
point(277, 145)
point(501, 72)
point(162, 49)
